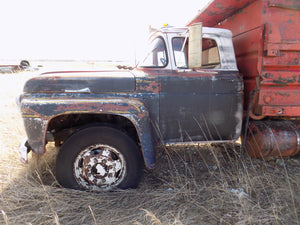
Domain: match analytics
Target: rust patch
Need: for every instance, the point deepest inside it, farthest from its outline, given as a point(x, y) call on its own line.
point(267, 139)
point(148, 84)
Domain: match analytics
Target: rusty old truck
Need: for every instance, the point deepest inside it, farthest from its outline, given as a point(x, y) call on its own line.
point(187, 90)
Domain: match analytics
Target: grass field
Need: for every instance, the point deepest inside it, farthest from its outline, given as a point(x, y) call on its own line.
point(206, 184)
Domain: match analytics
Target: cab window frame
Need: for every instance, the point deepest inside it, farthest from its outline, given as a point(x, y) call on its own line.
point(185, 52)
point(206, 50)
point(150, 52)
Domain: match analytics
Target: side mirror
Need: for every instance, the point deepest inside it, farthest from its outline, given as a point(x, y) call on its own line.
point(195, 46)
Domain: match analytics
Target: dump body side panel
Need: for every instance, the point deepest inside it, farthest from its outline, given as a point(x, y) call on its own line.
point(280, 68)
point(266, 38)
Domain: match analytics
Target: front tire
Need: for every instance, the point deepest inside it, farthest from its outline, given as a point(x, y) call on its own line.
point(99, 158)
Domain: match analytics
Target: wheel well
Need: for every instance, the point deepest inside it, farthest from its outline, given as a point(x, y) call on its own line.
point(63, 126)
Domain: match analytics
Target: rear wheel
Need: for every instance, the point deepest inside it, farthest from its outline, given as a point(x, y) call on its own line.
point(99, 158)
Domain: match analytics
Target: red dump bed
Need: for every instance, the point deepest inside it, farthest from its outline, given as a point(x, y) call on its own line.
point(266, 38)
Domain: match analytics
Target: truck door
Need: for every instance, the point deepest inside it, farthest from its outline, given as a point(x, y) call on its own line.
point(184, 104)
point(200, 105)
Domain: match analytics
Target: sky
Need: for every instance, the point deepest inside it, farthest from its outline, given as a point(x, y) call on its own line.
point(86, 30)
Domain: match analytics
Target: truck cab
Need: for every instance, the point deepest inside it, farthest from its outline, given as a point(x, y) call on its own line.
point(196, 103)
point(109, 123)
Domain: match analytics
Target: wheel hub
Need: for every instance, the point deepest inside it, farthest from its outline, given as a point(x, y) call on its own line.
point(99, 170)
point(99, 167)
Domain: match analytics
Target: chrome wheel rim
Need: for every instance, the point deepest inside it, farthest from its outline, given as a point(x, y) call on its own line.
point(99, 167)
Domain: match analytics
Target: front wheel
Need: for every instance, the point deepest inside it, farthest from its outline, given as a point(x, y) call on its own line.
point(99, 158)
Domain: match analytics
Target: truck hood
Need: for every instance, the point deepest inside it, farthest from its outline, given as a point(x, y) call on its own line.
point(81, 82)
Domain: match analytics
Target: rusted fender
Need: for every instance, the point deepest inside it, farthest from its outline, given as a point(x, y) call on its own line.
point(37, 114)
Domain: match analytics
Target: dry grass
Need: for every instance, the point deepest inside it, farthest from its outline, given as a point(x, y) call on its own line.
point(191, 185)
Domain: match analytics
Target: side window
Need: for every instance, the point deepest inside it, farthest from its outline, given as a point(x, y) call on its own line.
point(156, 55)
point(180, 52)
point(210, 53)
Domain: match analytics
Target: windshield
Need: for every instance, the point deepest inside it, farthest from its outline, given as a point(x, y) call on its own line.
point(156, 55)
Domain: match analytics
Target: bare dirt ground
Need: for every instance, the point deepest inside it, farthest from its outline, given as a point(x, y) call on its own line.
point(207, 184)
